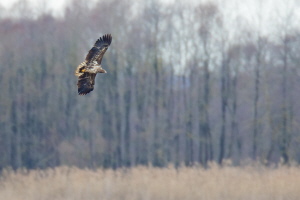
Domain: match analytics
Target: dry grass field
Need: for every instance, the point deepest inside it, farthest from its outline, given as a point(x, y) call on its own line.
point(147, 183)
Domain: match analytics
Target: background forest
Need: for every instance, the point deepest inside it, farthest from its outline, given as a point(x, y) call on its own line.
point(184, 86)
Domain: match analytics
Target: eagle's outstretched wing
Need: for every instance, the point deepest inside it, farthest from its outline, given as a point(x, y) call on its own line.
point(86, 83)
point(98, 50)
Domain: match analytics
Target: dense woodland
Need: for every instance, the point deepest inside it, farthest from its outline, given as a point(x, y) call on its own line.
point(184, 86)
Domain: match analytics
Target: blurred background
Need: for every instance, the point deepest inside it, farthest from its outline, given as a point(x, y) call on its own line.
point(188, 82)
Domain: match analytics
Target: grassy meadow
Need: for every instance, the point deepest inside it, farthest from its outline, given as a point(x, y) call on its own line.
point(147, 183)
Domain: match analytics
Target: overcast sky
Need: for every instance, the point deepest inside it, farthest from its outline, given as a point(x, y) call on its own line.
point(260, 13)
point(245, 7)
point(53, 4)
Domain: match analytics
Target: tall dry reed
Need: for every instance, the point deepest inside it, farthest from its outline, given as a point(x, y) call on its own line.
point(148, 183)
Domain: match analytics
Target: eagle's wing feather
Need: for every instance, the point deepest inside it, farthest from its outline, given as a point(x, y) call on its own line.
point(86, 83)
point(98, 50)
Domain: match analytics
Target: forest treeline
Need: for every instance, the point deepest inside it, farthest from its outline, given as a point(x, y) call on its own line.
point(182, 88)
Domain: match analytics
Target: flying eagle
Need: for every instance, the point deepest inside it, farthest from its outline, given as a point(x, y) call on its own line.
point(88, 70)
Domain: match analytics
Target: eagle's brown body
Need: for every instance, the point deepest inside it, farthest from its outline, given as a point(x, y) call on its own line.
point(88, 69)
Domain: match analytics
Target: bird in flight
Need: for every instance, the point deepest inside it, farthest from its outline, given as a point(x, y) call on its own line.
point(88, 69)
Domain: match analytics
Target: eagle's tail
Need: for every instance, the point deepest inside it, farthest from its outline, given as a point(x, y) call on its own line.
point(80, 69)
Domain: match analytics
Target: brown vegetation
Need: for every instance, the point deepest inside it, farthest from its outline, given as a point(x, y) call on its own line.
point(226, 183)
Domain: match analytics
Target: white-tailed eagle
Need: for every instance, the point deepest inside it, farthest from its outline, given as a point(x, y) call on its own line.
point(88, 70)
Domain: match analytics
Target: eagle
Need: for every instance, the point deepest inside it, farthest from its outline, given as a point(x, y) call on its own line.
point(87, 70)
